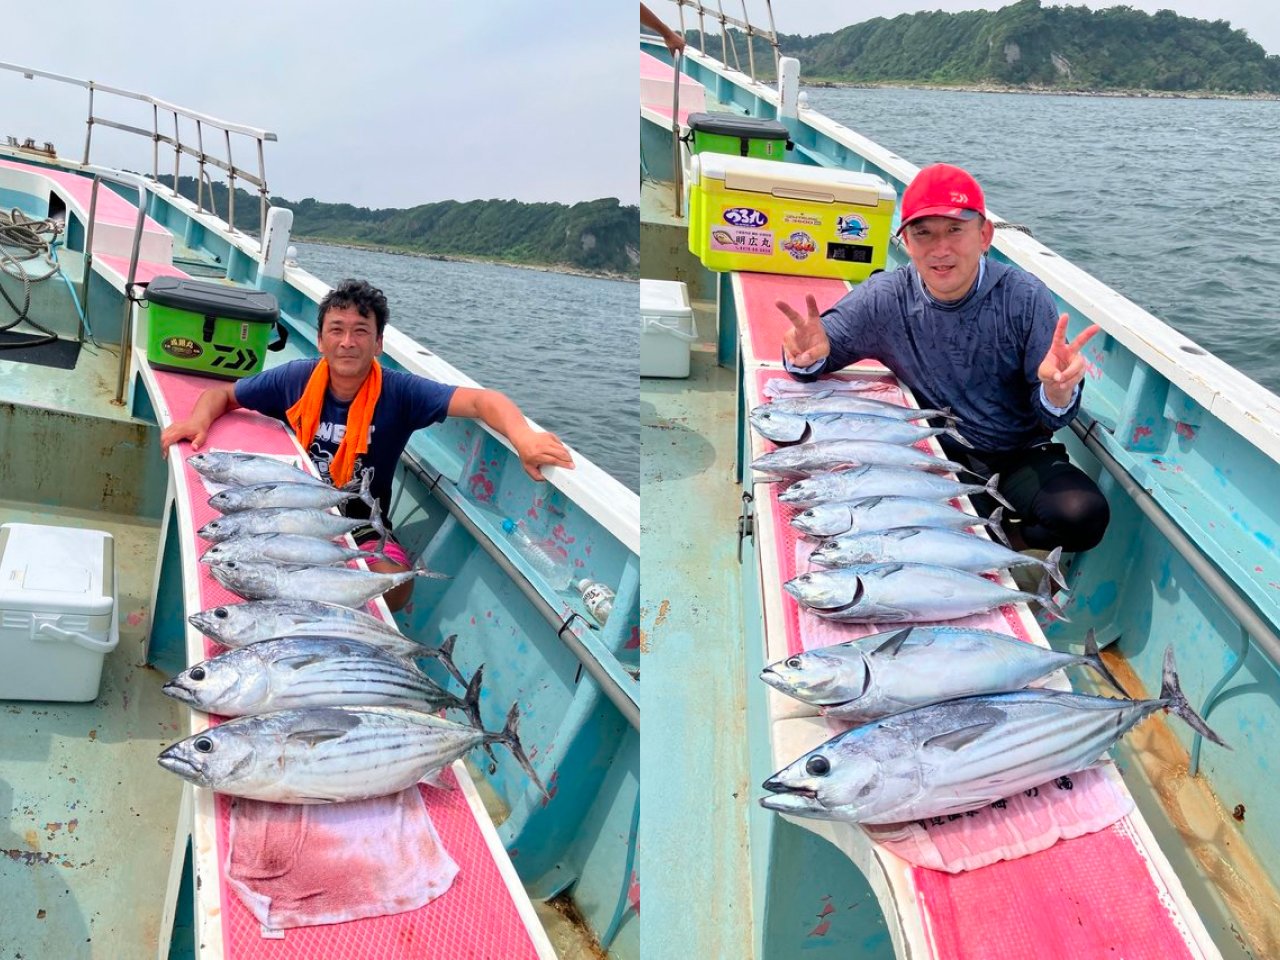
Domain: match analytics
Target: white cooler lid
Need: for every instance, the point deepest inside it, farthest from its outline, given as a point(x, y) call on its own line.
point(668, 298)
point(795, 180)
point(56, 569)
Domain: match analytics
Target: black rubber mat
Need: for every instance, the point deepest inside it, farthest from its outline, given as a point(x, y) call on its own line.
point(61, 354)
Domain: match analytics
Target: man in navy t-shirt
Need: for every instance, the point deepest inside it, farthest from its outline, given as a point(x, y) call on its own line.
point(352, 415)
point(980, 337)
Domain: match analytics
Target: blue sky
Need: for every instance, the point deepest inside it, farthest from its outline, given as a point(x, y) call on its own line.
point(378, 103)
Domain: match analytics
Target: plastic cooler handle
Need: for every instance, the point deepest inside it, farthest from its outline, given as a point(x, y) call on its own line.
point(81, 639)
point(673, 331)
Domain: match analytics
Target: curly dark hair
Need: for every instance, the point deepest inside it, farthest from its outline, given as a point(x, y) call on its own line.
point(364, 296)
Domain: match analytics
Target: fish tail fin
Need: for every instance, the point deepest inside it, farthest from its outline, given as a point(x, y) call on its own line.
point(1044, 593)
point(444, 653)
point(1094, 658)
point(954, 434)
point(420, 569)
point(995, 494)
point(995, 523)
point(470, 705)
point(511, 737)
point(1176, 700)
point(948, 416)
point(1050, 564)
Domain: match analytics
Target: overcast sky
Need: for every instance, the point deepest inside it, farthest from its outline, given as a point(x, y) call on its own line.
point(376, 103)
point(1260, 19)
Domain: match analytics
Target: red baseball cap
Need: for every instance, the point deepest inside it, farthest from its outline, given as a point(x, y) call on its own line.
point(942, 190)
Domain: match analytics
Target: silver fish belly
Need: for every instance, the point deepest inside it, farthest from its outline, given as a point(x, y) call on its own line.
point(806, 459)
point(903, 592)
point(879, 481)
point(296, 672)
point(285, 548)
point(888, 673)
point(820, 427)
point(240, 624)
point(846, 404)
point(246, 469)
point(269, 496)
point(350, 588)
point(306, 523)
point(875, 514)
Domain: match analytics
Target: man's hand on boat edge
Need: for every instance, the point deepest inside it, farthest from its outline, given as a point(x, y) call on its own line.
point(1063, 367)
point(535, 448)
point(806, 342)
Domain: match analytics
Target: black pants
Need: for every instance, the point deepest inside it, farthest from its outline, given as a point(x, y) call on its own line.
point(1055, 502)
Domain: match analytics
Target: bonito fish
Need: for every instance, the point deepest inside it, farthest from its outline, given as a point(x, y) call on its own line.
point(874, 480)
point(305, 523)
point(247, 469)
point(330, 754)
point(875, 514)
point(294, 672)
point(946, 548)
point(806, 459)
point(964, 754)
point(888, 673)
point(286, 548)
point(241, 624)
point(822, 403)
point(899, 592)
point(292, 495)
point(269, 581)
point(784, 428)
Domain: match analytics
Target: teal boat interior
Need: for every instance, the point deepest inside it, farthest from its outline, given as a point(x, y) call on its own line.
point(1183, 446)
point(99, 854)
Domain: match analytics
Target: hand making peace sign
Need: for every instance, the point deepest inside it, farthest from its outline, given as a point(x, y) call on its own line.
point(1063, 367)
point(806, 342)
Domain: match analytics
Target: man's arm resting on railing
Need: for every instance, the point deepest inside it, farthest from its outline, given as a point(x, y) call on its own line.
point(212, 404)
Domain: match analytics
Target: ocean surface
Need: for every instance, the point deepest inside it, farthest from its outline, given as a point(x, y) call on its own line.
point(1173, 203)
point(565, 348)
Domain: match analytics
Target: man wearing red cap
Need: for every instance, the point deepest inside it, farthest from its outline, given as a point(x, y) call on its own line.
point(978, 336)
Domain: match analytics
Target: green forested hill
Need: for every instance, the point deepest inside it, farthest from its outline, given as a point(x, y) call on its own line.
point(598, 236)
point(1026, 44)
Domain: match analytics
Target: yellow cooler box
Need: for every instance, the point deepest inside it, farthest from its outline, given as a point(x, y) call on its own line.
point(770, 217)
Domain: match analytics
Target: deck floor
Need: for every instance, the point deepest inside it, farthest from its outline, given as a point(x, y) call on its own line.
point(694, 850)
point(87, 817)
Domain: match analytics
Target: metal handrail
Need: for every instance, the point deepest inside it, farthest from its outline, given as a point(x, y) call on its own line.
point(1226, 593)
point(726, 21)
point(179, 148)
point(677, 168)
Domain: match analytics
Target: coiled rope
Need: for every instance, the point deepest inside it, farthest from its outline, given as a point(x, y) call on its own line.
point(27, 256)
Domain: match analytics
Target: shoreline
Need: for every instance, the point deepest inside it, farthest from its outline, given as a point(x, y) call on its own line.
point(1138, 94)
point(454, 258)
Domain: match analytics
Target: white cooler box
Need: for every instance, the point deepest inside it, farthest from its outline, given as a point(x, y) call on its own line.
point(57, 611)
point(666, 329)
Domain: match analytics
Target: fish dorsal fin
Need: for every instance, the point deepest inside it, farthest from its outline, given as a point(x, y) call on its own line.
point(954, 740)
point(299, 661)
point(891, 646)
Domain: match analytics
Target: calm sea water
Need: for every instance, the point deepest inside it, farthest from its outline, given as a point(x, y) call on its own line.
point(565, 348)
point(1173, 203)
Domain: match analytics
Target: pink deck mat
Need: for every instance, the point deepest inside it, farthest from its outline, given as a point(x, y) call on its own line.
point(111, 208)
point(1088, 897)
point(476, 917)
point(651, 68)
point(762, 324)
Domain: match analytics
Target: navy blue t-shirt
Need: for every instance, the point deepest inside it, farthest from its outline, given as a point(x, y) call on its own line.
point(407, 403)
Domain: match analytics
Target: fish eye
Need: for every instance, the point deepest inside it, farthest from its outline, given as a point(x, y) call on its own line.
point(221, 613)
point(804, 578)
point(807, 513)
point(831, 545)
point(817, 766)
point(197, 673)
point(231, 564)
point(794, 663)
point(205, 745)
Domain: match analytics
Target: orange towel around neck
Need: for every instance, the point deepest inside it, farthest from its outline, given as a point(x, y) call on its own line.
point(304, 418)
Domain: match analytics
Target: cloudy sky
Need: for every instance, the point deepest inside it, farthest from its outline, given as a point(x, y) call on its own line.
point(1258, 18)
point(376, 103)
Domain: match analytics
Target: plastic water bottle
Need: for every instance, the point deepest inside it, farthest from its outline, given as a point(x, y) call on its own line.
point(542, 556)
point(598, 598)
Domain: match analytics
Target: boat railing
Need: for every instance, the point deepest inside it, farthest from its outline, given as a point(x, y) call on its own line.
point(728, 45)
point(221, 130)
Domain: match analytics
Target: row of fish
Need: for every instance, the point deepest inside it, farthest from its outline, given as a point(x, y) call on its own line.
point(945, 724)
point(326, 703)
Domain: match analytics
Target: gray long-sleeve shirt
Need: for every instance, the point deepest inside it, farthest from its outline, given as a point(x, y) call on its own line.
point(979, 356)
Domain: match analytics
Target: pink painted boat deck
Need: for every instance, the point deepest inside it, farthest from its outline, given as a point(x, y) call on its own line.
point(112, 208)
point(655, 89)
point(1090, 897)
point(477, 917)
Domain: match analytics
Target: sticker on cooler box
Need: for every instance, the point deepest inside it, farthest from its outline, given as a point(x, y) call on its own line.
point(799, 245)
point(183, 348)
point(807, 219)
point(739, 240)
point(851, 226)
point(745, 217)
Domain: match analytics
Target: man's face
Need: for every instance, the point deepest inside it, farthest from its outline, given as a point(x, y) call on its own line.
point(349, 342)
point(946, 253)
